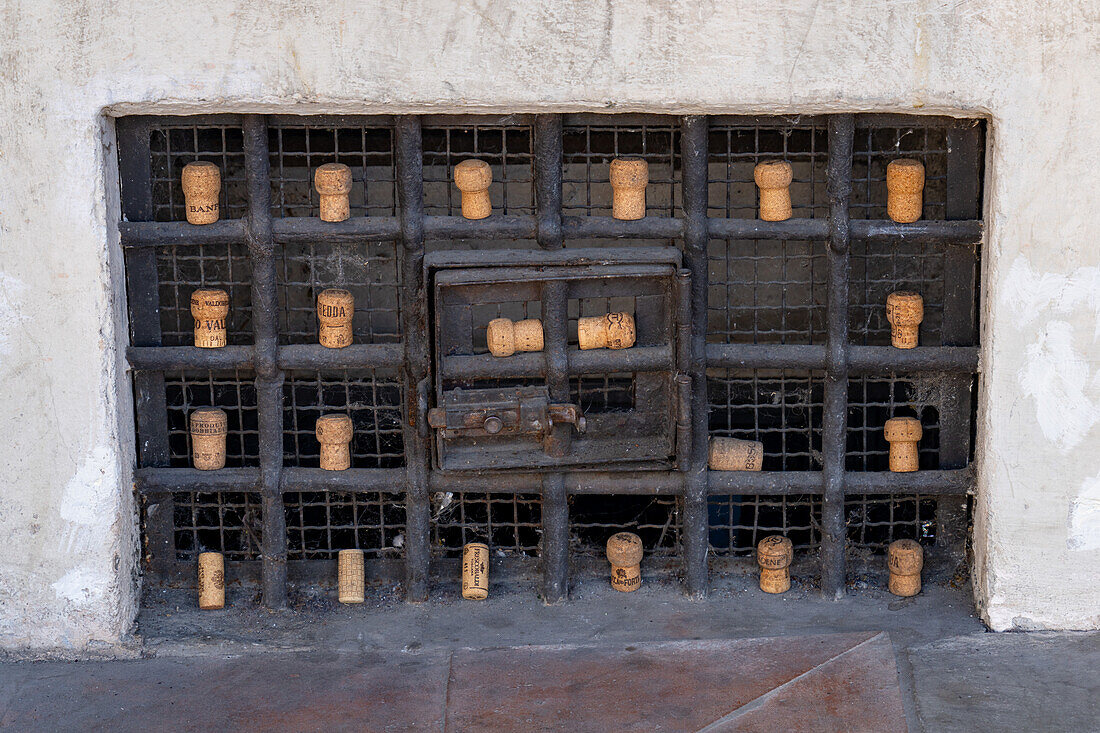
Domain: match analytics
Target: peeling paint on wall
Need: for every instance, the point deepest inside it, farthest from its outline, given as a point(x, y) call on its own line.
point(1084, 517)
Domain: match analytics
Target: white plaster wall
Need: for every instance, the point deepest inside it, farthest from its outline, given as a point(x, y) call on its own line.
point(66, 512)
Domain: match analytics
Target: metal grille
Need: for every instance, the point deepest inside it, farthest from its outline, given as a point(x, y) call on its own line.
point(772, 296)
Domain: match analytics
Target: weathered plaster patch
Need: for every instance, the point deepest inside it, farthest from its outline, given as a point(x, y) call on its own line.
point(92, 488)
point(1084, 517)
point(1057, 377)
point(1029, 294)
point(82, 585)
point(12, 291)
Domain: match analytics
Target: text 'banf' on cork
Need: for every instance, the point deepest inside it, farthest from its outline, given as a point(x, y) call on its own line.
point(202, 185)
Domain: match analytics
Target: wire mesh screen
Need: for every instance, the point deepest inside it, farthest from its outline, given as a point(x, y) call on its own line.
point(507, 150)
point(321, 523)
point(232, 391)
point(593, 519)
point(876, 520)
point(880, 269)
point(509, 524)
point(371, 397)
point(172, 146)
point(369, 271)
point(874, 400)
point(738, 523)
point(297, 150)
point(229, 522)
point(875, 147)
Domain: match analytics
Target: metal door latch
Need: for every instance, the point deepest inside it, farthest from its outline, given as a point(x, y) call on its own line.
point(513, 411)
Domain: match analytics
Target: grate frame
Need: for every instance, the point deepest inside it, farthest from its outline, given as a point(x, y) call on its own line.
point(689, 221)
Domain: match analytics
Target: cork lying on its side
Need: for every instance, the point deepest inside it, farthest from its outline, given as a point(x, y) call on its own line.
point(334, 434)
point(624, 552)
point(202, 184)
point(774, 555)
point(335, 309)
point(349, 571)
point(613, 331)
point(505, 337)
point(473, 178)
point(333, 184)
point(733, 454)
point(773, 178)
point(905, 190)
point(209, 426)
point(905, 559)
point(903, 434)
point(475, 571)
point(629, 177)
point(209, 307)
point(904, 311)
point(211, 581)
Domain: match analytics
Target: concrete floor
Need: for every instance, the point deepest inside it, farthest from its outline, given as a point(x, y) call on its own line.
point(649, 660)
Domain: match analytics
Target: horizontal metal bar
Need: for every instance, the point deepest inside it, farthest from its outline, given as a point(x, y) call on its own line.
point(335, 120)
point(964, 233)
point(618, 119)
point(309, 229)
point(576, 257)
point(356, 356)
point(766, 356)
point(492, 227)
point(161, 480)
point(170, 358)
point(651, 227)
point(576, 482)
point(477, 120)
point(167, 233)
point(352, 479)
point(765, 483)
point(484, 366)
point(897, 119)
point(883, 359)
point(757, 229)
point(958, 481)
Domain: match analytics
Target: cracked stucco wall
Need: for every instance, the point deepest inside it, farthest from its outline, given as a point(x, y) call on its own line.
point(66, 512)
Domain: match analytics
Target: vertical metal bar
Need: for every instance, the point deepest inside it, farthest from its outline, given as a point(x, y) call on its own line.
point(143, 307)
point(694, 160)
point(964, 160)
point(269, 378)
point(834, 429)
point(414, 336)
point(554, 552)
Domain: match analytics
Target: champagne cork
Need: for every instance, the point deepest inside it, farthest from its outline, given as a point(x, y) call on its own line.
point(613, 331)
point(211, 580)
point(209, 426)
point(475, 571)
point(334, 435)
point(624, 552)
point(903, 434)
point(774, 555)
point(506, 337)
point(349, 575)
point(904, 311)
point(209, 309)
point(905, 190)
point(733, 454)
point(905, 558)
point(202, 183)
point(773, 178)
point(473, 178)
point(335, 308)
point(333, 183)
point(629, 177)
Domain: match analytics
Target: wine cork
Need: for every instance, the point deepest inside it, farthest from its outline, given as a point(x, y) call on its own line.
point(209, 309)
point(733, 454)
point(624, 552)
point(773, 178)
point(903, 434)
point(209, 426)
point(349, 575)
point(473, 178)
point(333, 184)
point(202, 183)
point(475, 571)
point(629, 177)
point(904, 559)
point(211, 580)
point(335, 308)
point(904, 311)
point(613, 331)
point(905, 190)
point(774, 555)
point(506, 337)
point(334, 435)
